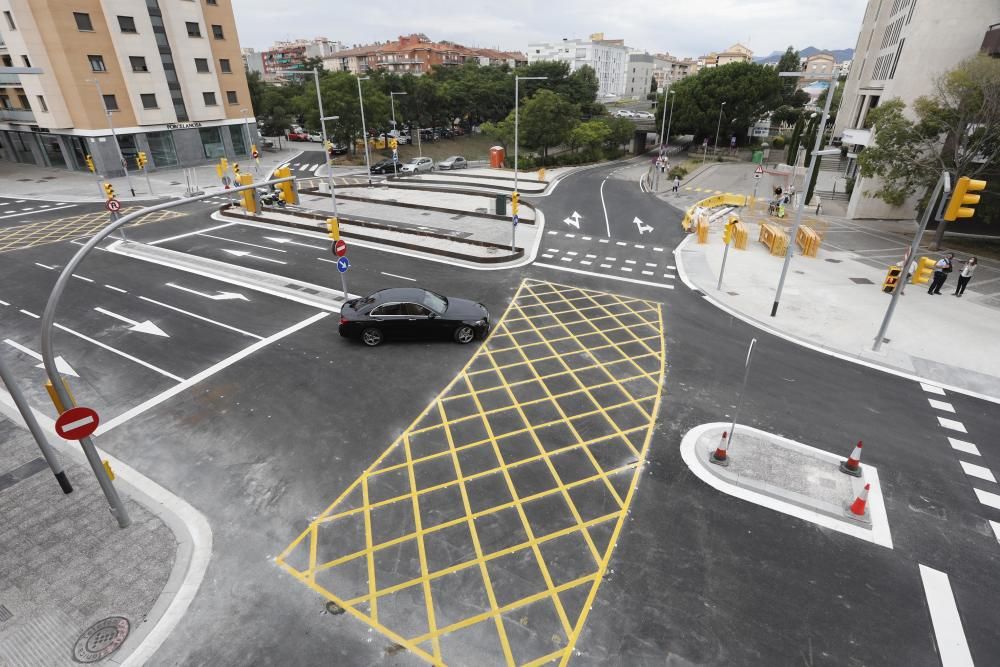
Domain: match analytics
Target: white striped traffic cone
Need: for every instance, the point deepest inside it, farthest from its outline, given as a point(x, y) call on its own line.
point(719, 456)
point(852, 466)
point(858, 509)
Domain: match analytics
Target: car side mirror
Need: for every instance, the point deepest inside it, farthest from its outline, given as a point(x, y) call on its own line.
point(432, 315)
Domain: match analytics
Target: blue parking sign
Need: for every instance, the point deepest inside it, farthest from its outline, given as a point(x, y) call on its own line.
point(514, 219)
point(343, 265)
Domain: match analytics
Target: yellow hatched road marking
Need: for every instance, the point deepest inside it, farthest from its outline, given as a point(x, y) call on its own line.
point(542, 483)
point(73, 227)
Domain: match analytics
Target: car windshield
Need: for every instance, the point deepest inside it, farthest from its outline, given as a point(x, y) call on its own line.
point(435, 302)
point(416, 160)
point(453, 158)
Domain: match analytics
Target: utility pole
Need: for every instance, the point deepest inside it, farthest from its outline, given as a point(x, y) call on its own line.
point(364, 130)
point(114, 136)
point(395, 154)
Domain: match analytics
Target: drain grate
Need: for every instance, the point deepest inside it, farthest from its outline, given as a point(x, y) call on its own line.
point(101, 639)
point(5, 614)
point(834, 261)
point(861, 281)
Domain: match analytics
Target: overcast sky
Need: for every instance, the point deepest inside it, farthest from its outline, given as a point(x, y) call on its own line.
point(680, 27)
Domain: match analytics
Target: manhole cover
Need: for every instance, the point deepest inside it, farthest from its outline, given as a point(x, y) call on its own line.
point(861, 281)
point(101, 639)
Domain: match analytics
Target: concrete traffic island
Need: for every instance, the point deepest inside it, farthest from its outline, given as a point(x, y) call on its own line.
point(789, 477)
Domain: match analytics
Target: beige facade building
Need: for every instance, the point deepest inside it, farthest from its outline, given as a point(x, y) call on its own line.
point(667, 69)
point(903, 46)
point(170, 73)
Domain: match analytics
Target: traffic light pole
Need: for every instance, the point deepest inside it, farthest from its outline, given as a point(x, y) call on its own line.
point(111, 126)
point(943, 183)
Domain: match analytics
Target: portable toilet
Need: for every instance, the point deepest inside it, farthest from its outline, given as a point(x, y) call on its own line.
point(497, 155)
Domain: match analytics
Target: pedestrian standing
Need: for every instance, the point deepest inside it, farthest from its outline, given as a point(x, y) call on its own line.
point(966, 275)
point(941, 270)
point(677, 183)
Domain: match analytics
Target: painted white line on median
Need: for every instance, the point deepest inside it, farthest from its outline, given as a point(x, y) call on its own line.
point(208, 372)
point(262, 247)
point(186, 234)
point(952, 424)
point(603, 275)
point(932, 389)
point(120, 353)
point(46, 266)
point(963, 446)
point(941, 405)
point(607, 223)
point(202, 318)
point(393, 275)
point(982, 472)
point(952, 645)
point(83, 278)
point(29, 313)
point(988, 499)
point(117, 289)
point(44, 210)
point(4, 303)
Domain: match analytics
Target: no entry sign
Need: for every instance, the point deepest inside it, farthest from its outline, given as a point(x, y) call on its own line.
point(77, 423)
point(339, 248)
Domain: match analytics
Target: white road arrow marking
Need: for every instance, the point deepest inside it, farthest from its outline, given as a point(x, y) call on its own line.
point(61, 365)
point(643, 227)
point(146, 327)
point(573, 220)
point(246, 253)
point(279, 239)
point(221, 296)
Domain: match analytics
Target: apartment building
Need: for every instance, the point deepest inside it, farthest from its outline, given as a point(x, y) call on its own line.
point(416, 54)
point(903, 46)
point(667, 69)
point(639, 76)
point(168, 73)
point(607, 57)
point(289, 58)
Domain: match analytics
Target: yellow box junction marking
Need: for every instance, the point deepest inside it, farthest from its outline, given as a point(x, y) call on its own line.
point(483, 532)
point(74, 227)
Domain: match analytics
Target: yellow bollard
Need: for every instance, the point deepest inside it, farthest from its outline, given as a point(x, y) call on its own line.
point(60, 408)
point(107, 469)
point(541, 173)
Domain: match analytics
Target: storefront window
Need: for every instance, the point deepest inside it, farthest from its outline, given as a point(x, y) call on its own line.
point(211, 140)
point(161, 149)
point(129, 148)
point(53, 150)
point(237, 133)
point(19, 140)
point(80, 152)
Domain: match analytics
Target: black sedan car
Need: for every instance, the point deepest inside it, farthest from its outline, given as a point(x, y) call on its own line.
point(382, 167)
point(411, 312)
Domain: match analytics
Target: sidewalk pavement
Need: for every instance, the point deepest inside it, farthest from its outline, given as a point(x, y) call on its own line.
point(65, 565)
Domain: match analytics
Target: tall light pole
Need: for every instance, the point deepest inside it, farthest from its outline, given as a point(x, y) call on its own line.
point(816, 153)
point(718, 127)
point(111, 125)
point(246, 124)
point(395, 159)
point(664, 134)
point(364, 130)
point(517, 101)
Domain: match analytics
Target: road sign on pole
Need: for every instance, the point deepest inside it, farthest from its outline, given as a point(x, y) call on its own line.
point(759, 170)
point(339, 249)
point(514, 219)
point(77, 423)
point(343, 264)
point(113, 205)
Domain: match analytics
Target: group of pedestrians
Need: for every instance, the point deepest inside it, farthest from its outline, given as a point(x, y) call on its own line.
point(945, 266)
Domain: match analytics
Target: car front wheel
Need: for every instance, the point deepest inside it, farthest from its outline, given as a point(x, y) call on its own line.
point(371, 336)
point(464, 334)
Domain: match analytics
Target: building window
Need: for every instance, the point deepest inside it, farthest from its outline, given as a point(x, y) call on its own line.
point(238, 136)
point(127, 24)
point(97, 64)
point(211, 142)
point(24, 59)
point(231, 97)
point(209, 99)
point(41, 103)
point(83, 22)
point(25, 104)
point(217, 32)
point(138, 63)
point(149, 101)
point(110, 103)
point(161, 148)
point(224, 66)
point(194, 30)
point(10, 20)
point(201, 64)
point(211, 2)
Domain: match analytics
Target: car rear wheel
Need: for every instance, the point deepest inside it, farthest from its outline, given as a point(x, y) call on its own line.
point(464, 334)
point(371, 336)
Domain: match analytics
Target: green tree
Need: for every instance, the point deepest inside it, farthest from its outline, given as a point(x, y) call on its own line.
point(793, 143)
point(621, 131)
point(546, 121)
point(589, 136)
point(340, 98)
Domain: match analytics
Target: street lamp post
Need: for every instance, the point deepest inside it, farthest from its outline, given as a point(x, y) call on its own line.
point(816, 153)
point(246, 124)
point(395, 157)
point(111, 126)
point(718, 127)
point(517, 104)
point(665, 134)
point(364, 130)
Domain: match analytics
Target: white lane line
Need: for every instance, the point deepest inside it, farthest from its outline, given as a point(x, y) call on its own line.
point(566, 259)
point(630, 261)
point(46, 266)
point(591, 256)
point(981, 472)
point(996, 529)
point(200, 231)
point(313, 168)
point(19, 201)
point(669, 276)
point(671, 267)
point(585, 238)
point(951, 642)
point(202, 318)
point(988, 499)
point(627, 268)
point(262, 247)
point(941, 405)
point(552, 250)
point(640, 246)
point(4, 303)
point(120, 353)
point(15, 215)
point(659, 250)
point(117, 289)
point(29, 313)
point(932, 389)
point(571, 236)
point(607, 223)
point(208, 372)
point(572, 252)
point(603, 240)
point(552, 232)
point(586, 262)
point(647, 273)
point(30, 208)
point(963, 446)
point(620, 243)
point(952, 424)
point(652, 264)
point(547, 256)
point(83, 278)
point(603, 275)
point(393, 275)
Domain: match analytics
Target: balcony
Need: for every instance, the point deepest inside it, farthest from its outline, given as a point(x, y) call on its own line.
point(17, 115)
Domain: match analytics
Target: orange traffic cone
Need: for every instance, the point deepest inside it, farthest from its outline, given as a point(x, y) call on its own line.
point(852, 466)
point(719, 456)
point(857, 508)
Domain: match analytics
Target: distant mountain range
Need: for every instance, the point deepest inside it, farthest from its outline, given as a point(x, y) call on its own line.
point(839, 54)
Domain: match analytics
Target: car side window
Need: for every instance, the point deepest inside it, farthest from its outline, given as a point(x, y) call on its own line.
point(387, 309)
point(415, 310)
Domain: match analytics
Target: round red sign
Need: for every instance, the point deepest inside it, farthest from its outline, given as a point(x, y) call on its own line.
point(340, 248)
point(77, 423)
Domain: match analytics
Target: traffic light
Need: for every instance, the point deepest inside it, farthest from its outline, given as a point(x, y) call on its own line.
point(727, 231)
point(109, 190)
point(515, 199)
point(393, 143)
point(140, 160)
point(90, 164)
point(925, 269)
point(253, 151)
point(333, 228)
point(236, 170)
point(956, 205)
point(891, 278)
point(249, 197)
point(286, 190)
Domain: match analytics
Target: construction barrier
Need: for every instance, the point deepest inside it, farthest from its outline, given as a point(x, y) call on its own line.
point(712, 202)
point(808, 240)
point(741, 235)
point(702, 228)
point(774, 238)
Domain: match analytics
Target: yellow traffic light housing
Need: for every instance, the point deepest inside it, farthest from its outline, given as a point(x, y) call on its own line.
point(236, 170)
point(891, 278)
point(925, 269)
point(959, 198)
point(140, 160)
point(333, 228)
point(249, 197)
point(286, 190)
point(90, 164)
point(727, 231)
point(515, 200)
point(109, 191)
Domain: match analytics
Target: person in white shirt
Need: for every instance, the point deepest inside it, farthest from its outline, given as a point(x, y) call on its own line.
point(941, 271)
point(966, 275)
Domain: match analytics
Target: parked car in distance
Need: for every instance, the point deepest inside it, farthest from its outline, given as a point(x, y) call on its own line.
point(340, 149)
point(453, 162)
point(294, 135)
point(412, 312)
point(644, 115)
point(315, 136)
point(417, 165)
point(383, 167)
point(622, 113)
point(404, 139)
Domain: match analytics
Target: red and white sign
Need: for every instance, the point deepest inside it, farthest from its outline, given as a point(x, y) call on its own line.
point(77, 423)
point(759, 170)
point(113, 205)
point(340, 248)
